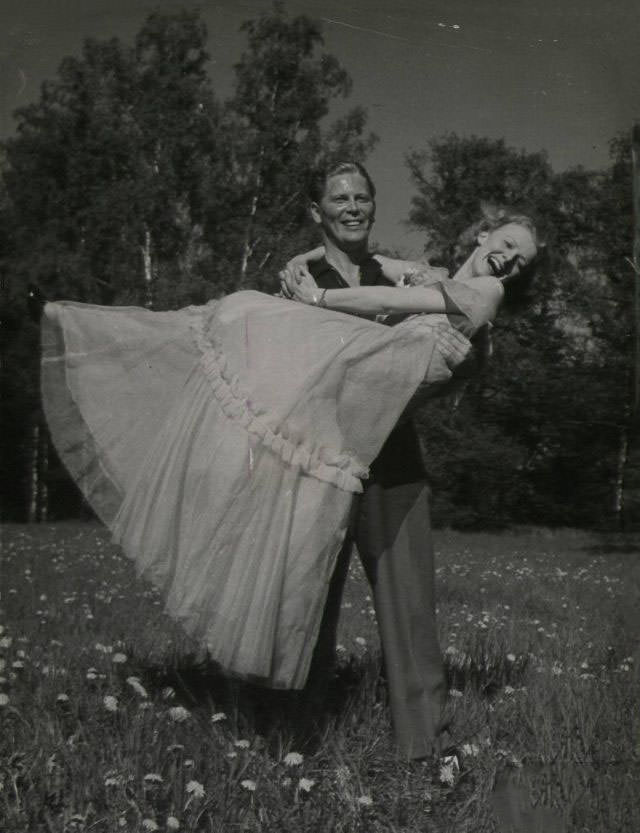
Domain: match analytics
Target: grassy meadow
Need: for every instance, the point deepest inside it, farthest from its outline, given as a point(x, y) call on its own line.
point(109, 721)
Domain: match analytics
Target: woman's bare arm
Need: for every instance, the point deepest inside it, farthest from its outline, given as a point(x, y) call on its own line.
point(385, 300)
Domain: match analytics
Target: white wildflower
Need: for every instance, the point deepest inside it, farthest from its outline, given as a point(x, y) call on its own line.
point(242, 744)
point(119, 658)
point(305, 784)
point(448, 770)
point(153, 778)
point(137, 686)
point(365, 801)
point(149, 824)
point(218, 716)
point(173, 823)
point(195, 789)
point(248, 784)
point(179, 714)
point(293, 759)
point(511, 657)
point(110, 703)
point(4, 699)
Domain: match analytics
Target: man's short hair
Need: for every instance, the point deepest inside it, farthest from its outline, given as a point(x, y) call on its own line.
point(319, 177)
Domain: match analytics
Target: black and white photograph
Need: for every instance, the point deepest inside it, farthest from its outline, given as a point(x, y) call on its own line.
point(320, 423)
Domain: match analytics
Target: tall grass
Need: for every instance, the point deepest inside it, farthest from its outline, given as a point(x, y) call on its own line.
point(111, 721)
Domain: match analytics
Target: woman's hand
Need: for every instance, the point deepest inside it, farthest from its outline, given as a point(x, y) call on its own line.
point(424, 276)
point(292, 275)
point(297, 268)
point(304, 288)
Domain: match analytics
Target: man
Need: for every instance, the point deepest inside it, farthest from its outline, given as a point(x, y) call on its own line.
point(390, 522)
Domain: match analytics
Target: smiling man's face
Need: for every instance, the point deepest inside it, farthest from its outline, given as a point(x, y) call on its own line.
point(346, 211)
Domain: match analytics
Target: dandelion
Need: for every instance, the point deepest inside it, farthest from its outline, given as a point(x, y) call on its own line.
point(150, 825)
point(509, 689)
point(195, 789)
point(248, 784)
point(189, 762)
point(6, 642)
point(511, 657)
point(153, 778)
point(293, 759)
point(365, 801)
point(18, 664)
point(4, 699)
point(360, 640)
point(62, 698)
point(470, 749)
point(92, 674)
point(179, 714)
point(449, 770)
point(306, 784)
point(455, 692)
point(113, 780)
point(242, 744)
point(343, 775)
point(172, 823)
point(110, 703)
point(119, 658)
point(137, 686)
point(218, 716)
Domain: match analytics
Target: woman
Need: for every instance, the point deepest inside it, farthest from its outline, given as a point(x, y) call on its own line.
point(225, 471)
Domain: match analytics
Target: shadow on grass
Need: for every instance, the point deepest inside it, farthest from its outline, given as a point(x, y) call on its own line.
point(302, 717)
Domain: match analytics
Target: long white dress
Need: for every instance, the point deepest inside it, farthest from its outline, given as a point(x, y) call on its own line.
point(223, 444)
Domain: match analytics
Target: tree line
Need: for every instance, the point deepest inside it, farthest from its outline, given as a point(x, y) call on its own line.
point(130, 181)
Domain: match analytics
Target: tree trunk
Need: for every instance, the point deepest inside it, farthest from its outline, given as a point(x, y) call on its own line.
point(618, 499)
point(43, 509)
point(148, 271)
point(34, 473)
point(248, 244)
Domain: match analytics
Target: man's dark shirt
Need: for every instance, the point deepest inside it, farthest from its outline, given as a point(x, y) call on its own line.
point(400, 458)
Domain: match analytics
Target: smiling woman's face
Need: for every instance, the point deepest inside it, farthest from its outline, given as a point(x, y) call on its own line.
point(346, 211)
point(504, 252)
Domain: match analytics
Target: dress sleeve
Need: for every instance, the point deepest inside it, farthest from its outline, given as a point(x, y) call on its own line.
point(472, 304)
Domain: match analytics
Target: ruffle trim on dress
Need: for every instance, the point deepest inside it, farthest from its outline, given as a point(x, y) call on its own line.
point(337, 468)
